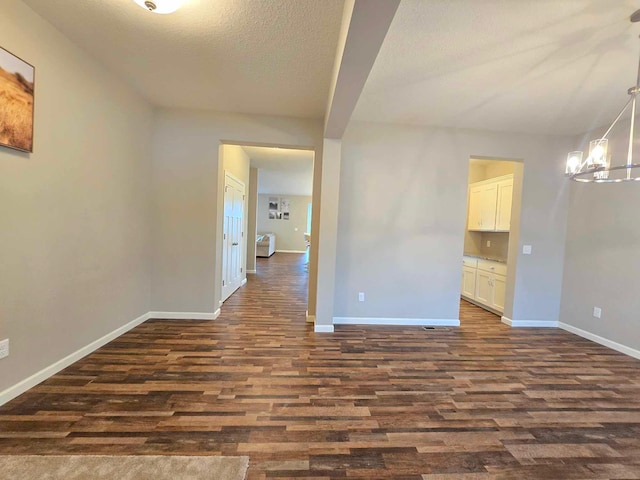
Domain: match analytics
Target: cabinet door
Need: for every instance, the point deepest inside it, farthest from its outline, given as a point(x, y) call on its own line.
point(484, 290)
point(488, 202)
point(503, 211)
point(469, 282)
point(499, 292)
point(475, 207)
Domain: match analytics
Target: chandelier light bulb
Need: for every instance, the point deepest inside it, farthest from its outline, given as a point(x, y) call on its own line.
point(160, 6)
point(574, 161)
point(597, 154)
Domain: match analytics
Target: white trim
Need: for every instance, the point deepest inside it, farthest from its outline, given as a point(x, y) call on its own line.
point(632, 352)
point(244, 282)
point(251, 271)
point(310, 318)
point(291, 251)
point(30, 382)
point(185, 315)
point(434, 322)
point(220, 302)
point(530, 323)
point(323, 329)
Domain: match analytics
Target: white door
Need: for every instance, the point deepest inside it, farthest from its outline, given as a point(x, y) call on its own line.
point(233, 240)
point(503, 213)
point(468, 282)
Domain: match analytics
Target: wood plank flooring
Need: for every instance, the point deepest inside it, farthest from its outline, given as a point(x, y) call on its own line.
point(482, 401)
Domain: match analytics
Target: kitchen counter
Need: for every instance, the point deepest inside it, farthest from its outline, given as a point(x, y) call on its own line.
point(481, 257)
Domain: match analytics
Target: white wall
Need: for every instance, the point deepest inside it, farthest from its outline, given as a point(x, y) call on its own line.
point(602, 259)
point(403, 194)
point(287, 237)
point(187, 198)
point(75, 214)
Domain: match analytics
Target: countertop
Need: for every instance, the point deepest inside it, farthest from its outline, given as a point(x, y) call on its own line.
point(481, 257)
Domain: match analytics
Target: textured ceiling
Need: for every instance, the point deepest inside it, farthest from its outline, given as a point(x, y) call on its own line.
point(252, 56)
point(543, 66)
point(282, 171)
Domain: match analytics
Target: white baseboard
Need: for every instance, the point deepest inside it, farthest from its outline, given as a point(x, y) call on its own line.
point(185, 315)
point(244, 282)
point(30, 382)
point(632, 352)
point(251, 272)
point(291, 251)
point(431, 322)
point(323, 329)
point(310, 318)
point(529, 323)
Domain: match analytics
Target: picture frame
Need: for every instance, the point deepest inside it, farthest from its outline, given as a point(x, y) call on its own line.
point(17, 102)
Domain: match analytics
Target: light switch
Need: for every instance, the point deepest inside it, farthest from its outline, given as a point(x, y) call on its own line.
point(526, 249)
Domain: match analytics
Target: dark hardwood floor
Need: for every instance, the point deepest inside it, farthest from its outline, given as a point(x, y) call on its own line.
point(482, 401)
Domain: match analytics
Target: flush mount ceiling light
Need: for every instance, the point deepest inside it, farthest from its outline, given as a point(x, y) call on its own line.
point(596, 168)
point(160, 6)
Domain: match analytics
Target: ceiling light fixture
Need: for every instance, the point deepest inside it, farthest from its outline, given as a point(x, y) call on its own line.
point(160, 6)
point(596, 168)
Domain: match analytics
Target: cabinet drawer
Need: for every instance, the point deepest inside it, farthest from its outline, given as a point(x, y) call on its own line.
point(470, 262)
point(493, 267)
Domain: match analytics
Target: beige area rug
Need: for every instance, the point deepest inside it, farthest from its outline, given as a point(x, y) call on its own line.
point(90, 467)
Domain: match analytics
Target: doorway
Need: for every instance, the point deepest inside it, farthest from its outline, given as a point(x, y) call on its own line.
point(491, 233)
point(266, 196)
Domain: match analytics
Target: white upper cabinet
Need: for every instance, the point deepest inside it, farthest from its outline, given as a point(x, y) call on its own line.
point(503, 209)
point(490, 205)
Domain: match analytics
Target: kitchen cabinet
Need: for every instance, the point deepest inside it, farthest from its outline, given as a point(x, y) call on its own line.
point(490, 205)
point(485, 283)
point(503, 205)
point(468, 281)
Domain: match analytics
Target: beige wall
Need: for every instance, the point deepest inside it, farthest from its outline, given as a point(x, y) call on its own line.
point(187, 197)
point(75, 214)
point(253, 221)
point(402, 222)
point(602, 259)
point(238, 164)
point(289, 233)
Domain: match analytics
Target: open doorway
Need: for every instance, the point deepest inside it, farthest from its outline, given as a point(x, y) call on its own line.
point(491, 230)
point(276, 188)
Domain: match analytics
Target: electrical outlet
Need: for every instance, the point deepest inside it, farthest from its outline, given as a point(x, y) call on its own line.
point(597, 312)
point(488, 243)
point(526, 249)
point(4, 348)
point(361, 296)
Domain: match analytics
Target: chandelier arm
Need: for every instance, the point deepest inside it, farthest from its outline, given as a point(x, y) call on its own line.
point(624, 109)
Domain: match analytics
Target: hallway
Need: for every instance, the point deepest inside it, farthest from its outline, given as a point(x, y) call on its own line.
point(482, 401)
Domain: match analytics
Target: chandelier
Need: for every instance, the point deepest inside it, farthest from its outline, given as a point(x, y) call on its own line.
point(596, 168)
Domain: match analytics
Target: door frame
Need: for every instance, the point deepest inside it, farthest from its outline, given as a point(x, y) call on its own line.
point(315, 232)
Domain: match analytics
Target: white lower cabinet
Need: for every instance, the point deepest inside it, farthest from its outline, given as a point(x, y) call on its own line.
point(486, 283)
point(468, 281)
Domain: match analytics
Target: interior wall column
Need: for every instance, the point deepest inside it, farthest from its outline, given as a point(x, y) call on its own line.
point(328, 234)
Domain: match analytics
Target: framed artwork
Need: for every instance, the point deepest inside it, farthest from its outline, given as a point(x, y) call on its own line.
point(17, 86)
point(273, 208)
